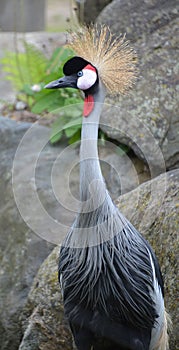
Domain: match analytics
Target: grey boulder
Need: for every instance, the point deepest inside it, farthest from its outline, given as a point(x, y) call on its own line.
point(147, 119)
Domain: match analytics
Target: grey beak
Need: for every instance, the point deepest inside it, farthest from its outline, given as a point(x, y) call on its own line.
point(66, 81)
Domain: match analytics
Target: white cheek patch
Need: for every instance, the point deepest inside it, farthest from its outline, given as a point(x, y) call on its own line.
point(87, 80)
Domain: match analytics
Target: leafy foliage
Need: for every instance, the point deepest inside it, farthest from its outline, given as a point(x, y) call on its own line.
point(21, 69)
point(68, 123)
point(29, 72)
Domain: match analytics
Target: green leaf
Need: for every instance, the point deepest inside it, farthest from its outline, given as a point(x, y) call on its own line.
point(73, 123)
point(58, 124)
point(74, 100)
point(76, 137)
point(74, 113)
point(57, 129)
point(71, 131)
point(60, 121)
point(72, 127)
point(54, 138)
point(47, 102)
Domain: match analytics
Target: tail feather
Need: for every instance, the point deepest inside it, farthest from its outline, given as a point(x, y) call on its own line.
point(163, 342)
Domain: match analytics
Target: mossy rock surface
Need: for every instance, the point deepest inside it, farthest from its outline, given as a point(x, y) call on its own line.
point(153, 208)
point(43, 320)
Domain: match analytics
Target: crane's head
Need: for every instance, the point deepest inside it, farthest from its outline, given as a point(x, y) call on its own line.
point(100, 54)
point(78, 74)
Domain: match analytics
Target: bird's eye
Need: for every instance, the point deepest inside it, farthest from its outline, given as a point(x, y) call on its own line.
point(80, 73)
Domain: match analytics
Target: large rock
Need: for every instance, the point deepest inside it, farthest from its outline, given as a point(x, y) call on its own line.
point(148, 118)
point(138, 19)
point(88, 10)
point(22, 247)
point(153, 208)
point(21, 251)
point(43, 319)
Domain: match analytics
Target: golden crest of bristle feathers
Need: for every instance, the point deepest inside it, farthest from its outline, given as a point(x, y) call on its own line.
point(111, 55)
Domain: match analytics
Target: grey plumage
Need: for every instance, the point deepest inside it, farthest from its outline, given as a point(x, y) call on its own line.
point(110, 278)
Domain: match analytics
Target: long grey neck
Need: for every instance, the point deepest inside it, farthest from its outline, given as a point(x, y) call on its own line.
point(92, 187)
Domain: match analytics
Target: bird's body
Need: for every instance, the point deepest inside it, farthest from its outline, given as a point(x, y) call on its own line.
point(111, 280)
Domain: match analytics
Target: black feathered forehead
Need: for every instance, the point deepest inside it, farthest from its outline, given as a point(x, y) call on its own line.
point(74, 65)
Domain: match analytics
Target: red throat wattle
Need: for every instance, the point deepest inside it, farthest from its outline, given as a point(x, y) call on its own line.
point(88, 105)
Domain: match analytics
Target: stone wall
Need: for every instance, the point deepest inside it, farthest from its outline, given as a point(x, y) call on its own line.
point(22, 15)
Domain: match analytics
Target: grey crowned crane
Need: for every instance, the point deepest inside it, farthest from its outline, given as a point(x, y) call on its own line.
point(110, 277)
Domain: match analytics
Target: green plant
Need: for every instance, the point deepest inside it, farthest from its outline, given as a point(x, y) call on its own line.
point(68, 123)
point(29, 72)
